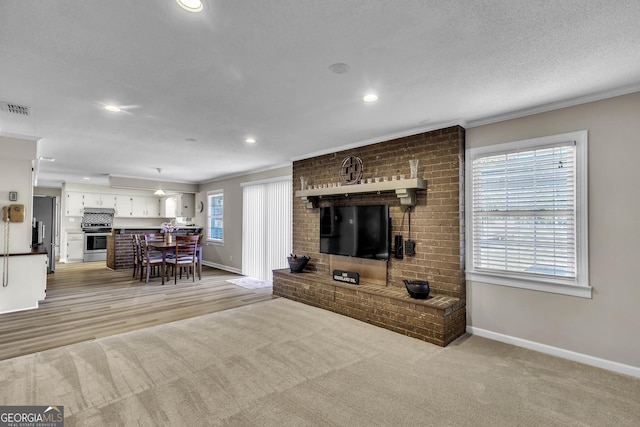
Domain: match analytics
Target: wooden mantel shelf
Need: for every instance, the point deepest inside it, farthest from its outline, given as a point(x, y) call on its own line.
point(405, 189)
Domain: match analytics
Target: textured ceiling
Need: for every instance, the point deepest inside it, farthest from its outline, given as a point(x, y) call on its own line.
point(261, 69)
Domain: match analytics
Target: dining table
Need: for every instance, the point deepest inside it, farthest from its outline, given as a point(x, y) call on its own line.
point(167, 248)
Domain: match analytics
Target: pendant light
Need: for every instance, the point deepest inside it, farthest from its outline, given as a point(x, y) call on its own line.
point(159, 191)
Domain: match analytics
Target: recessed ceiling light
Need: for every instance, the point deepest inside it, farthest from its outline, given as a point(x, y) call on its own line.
point(370, 97)
point(112, 108)
point(46, 159)
point(191, 5)
point(250, 140)
point(86, 178)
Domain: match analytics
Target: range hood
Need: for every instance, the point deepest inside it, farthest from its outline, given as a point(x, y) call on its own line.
point(97, 219)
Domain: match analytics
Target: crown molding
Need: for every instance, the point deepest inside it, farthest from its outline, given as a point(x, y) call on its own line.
point(571, 102)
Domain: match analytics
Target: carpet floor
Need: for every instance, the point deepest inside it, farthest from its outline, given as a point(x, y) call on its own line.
point(282, 363)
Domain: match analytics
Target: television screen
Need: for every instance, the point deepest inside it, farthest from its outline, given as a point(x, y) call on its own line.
point(359, 231)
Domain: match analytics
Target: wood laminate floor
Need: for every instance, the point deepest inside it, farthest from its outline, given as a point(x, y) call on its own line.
point(88, 300)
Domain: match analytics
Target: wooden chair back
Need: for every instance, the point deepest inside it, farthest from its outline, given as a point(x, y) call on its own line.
point(185, 256)
point(186, 246)
point(137, 254)
point(199, 237)
point(148, 253)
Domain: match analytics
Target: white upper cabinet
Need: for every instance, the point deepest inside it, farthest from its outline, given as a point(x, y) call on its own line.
point(97, 200)
point(145, 207)
point(179, 205)
point(123, 206)
point(187, 205)
point(74, 203)
point(126, 206)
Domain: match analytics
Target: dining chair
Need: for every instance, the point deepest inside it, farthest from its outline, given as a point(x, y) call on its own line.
point(185, 256)
point(155, 238)
point(196, 234)
point(198, 256)
point(151, 259)
point(137, 255)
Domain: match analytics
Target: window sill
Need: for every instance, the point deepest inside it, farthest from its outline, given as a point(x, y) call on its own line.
point(215, 242)
point(533, 285)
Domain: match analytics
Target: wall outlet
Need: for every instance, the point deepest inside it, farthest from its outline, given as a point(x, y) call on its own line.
point(230, 257)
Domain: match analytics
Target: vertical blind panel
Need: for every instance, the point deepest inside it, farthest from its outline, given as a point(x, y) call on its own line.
point(253, 238)
point(279, 225)
point(266, 231)
point(524, 213)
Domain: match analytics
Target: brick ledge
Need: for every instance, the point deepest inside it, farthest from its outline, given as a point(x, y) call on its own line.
point(441, 302)
point(438, 320)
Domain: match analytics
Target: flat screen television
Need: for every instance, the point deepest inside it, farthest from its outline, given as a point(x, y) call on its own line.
point(358, 231)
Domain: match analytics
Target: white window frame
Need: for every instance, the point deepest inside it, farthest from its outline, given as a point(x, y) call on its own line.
point(578, 286)
point(211, 194)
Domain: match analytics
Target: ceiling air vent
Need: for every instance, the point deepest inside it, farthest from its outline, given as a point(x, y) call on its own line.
point(21, 110)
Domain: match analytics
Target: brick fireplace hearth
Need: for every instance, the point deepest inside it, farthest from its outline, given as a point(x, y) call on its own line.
point(437, 228)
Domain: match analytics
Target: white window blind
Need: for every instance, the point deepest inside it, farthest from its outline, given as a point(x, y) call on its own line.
point(526, 212)
point(266, 227)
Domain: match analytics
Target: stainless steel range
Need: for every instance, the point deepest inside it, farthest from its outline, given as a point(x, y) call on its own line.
point(97, 224)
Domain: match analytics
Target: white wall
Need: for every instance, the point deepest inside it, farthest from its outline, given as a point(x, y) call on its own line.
point(229, 255)
point(606, 326)
point(27, 274)
point(16, 175)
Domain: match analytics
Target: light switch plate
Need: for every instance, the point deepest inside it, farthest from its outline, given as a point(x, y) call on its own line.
point(13, 196)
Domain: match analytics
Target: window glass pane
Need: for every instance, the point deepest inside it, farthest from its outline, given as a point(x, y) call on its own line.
point(524, 213)
point(215, 216)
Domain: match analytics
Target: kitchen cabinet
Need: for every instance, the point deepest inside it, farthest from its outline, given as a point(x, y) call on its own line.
point(153, 206)
point(27, 284)
point(74, 203)
point(187, 205)
point(97, 200)
point(179, 205)
point(145, 206)
point(75, 247)
point(123, 206)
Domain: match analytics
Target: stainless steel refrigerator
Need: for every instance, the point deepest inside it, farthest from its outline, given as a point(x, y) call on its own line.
point(45, 226)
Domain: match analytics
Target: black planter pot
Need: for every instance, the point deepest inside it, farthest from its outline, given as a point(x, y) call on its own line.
point(296, 265)
point(418, 289)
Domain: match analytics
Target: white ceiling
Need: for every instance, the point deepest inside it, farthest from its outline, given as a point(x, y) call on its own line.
point(261, 68)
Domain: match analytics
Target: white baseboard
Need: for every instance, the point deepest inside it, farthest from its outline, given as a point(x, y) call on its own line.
point(222, 267)
point(558, 352)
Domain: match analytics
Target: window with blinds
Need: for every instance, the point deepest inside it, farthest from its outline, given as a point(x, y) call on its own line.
point(525, 206)
point(215, 209)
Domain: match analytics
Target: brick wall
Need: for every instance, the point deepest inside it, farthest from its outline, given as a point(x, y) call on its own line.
point(436, 220)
